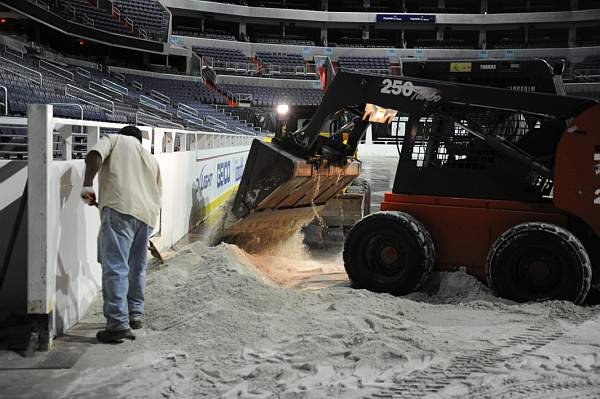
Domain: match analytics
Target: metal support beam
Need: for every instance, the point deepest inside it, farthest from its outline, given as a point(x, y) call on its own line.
point(66, 145)
point(93, 135)
point(41, 267)
point(572, 35)
point(483, 38)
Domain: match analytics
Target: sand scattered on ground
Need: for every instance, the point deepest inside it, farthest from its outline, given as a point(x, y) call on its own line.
point(219, 327)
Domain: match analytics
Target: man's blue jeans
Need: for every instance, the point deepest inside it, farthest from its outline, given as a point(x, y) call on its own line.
point(123, 246)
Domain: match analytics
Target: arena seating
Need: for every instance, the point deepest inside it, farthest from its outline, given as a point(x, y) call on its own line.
point(280, 58)
point(378, 64)
point(207, 34)
point(421, 6)
point(271, 96)
point(285, 66)
point(294, 42)
point(161, 105)
point(221, 54)
point(588, 70)
point(141, 18)
point(590, 62)
point(227, 61)
point(150, 15)
point(83, 12)
point(178, 91)
point(361, 43)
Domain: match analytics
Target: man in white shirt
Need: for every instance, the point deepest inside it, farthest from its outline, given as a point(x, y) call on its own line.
point(129, 202)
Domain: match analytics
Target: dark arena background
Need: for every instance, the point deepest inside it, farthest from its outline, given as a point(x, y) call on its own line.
point(358, 199)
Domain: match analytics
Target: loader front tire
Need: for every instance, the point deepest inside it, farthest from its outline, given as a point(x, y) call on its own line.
point(539, 261)
point(388, 252)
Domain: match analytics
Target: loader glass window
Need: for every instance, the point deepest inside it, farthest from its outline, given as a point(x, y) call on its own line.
point(454, 151)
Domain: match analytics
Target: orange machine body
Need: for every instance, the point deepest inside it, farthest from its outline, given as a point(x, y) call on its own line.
point(463, 229)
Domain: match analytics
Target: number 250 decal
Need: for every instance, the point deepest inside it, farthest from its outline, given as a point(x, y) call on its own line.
point(409, 90)
point(398, 86)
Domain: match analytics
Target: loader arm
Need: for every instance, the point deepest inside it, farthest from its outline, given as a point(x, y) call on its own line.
point(417, 97)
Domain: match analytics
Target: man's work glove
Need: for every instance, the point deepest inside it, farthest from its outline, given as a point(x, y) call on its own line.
point(88, 195)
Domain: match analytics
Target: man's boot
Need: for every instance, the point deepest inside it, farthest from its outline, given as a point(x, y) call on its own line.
point(114, 336)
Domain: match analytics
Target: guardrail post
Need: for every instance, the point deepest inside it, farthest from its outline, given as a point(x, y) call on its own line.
point(183, 141)
point(93, 135)
point(41, 271)
point(159, 135)
point(147, 139)
point(169, 142)
point(66, 146)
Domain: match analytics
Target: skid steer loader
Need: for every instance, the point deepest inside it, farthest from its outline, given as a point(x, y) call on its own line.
point(504, 183)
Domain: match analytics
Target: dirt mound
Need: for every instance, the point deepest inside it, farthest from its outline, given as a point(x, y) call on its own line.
point(221, 326)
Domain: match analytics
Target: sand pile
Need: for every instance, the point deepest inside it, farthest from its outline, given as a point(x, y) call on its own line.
point(219, 326)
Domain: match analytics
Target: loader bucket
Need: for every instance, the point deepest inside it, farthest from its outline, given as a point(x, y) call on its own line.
point(279, 193)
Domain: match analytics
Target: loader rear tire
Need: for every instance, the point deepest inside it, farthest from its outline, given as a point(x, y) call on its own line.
point(539, 261)
point(388, 252)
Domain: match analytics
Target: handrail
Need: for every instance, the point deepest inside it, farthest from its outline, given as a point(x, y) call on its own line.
point(189, 121)
point(118, 75)
point(149, 101)
point(71, 105)
point(67, 74)
point(97, 88)
point(115, 12)
point(243, 97)
point(88, 20)
point(239, 129)
point(215, 121)
point(5, 99)
point(83, 72)
point(42, 4)
point(164, 98)
point(17, 53)
point(187, 109)
point(151, 116)
point(190, 118)
point(115, 86)
point(22, 67)
point(128, 24)
point(137, 85)
point(112, 104)
point(22, 122)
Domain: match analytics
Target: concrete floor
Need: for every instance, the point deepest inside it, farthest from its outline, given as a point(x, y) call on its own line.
point(47, 374)
point(379, 172)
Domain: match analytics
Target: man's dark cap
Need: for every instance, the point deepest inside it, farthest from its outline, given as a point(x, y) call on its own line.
point(131, 131)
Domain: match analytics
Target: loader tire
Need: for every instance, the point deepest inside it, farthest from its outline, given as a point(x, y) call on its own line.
point(388, 252)
point(539, 261)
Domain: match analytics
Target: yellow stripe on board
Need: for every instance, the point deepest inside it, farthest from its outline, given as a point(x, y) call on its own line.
point(209, 209)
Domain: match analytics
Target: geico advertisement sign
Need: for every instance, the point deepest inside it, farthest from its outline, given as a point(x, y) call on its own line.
point(216, 176)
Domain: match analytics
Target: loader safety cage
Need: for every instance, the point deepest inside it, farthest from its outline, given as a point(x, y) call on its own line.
point(460, 139)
